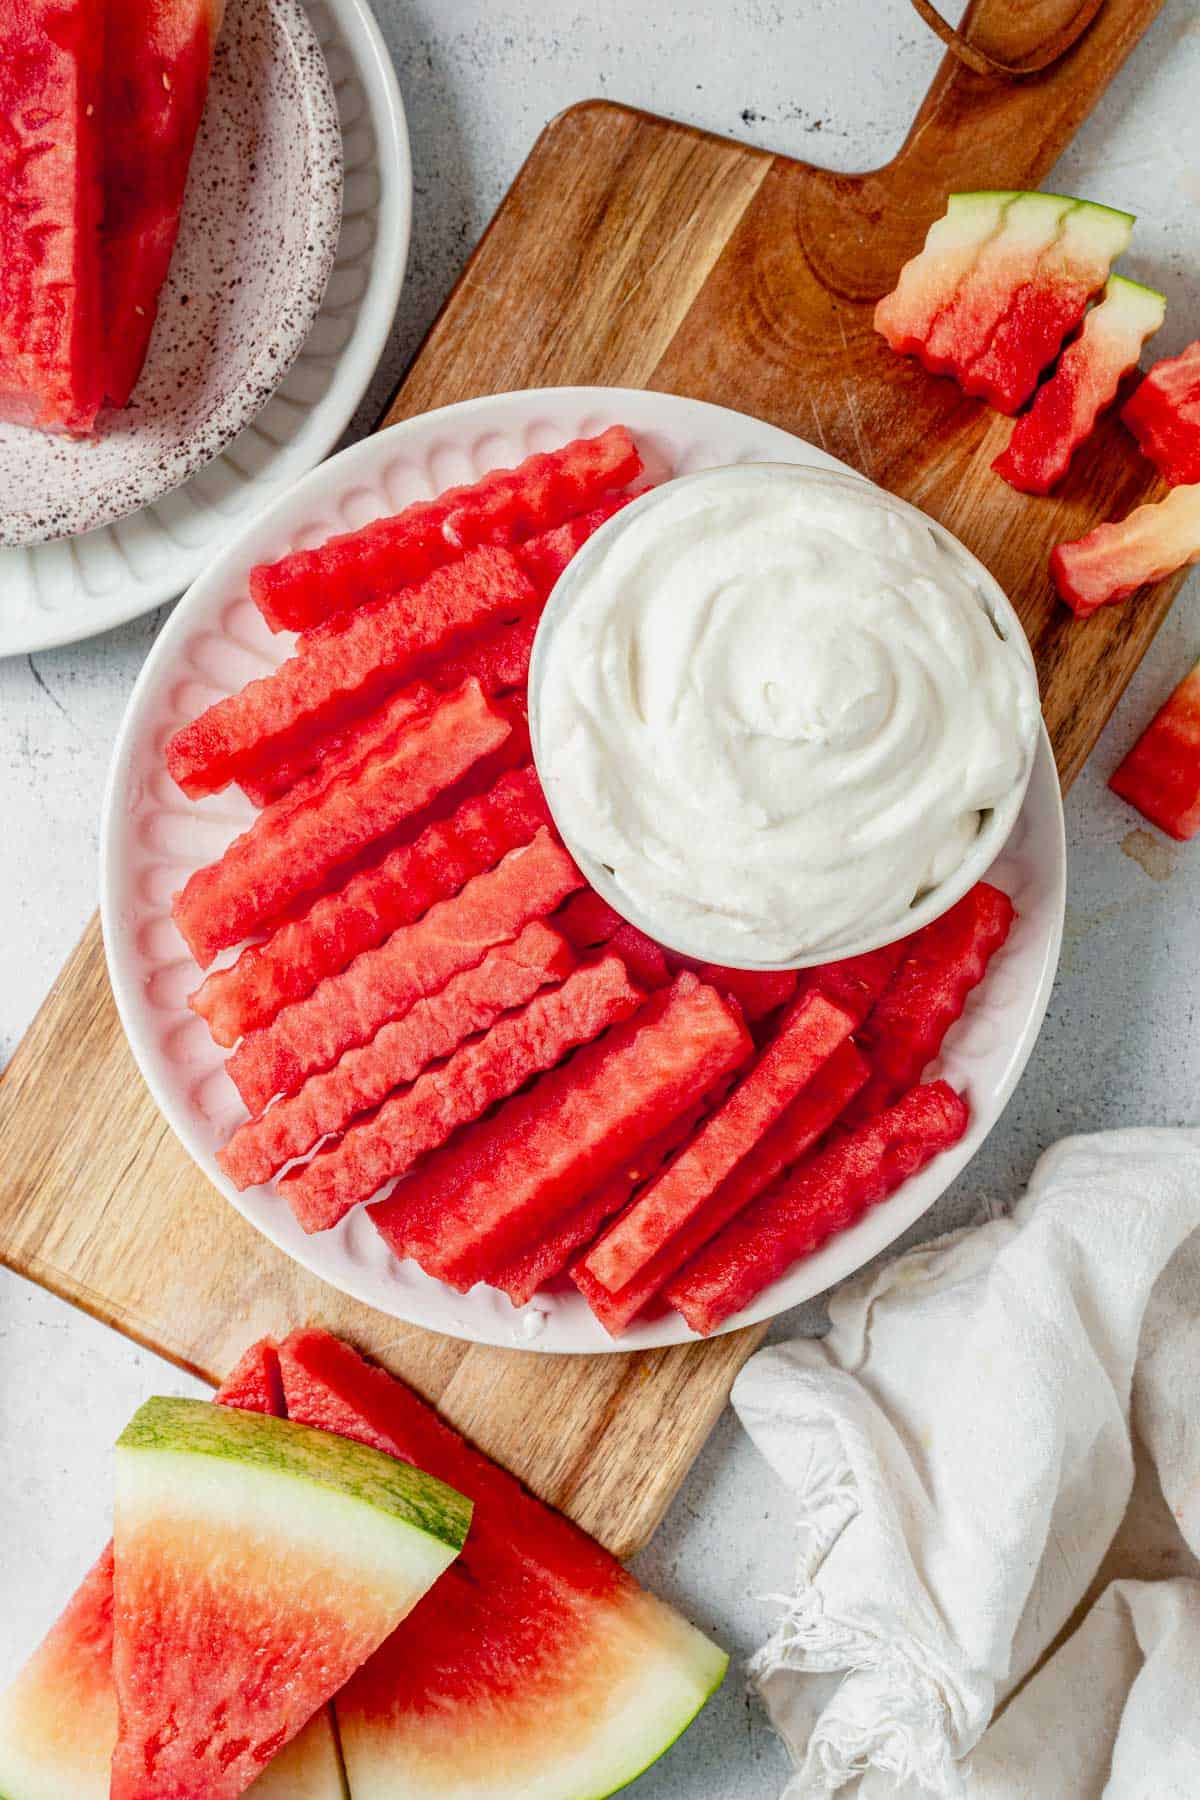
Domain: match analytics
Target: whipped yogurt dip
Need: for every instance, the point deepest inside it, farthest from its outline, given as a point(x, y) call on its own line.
point(772, 707)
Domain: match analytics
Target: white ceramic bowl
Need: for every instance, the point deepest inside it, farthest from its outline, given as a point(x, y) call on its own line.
point(152, 839)
point(256, 244)
point(996, 824)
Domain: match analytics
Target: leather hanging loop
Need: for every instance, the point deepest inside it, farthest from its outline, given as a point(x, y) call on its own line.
point(1035, 63)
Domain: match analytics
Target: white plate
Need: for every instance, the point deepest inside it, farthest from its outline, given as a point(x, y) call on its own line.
point(152, 839)
point(55, 593)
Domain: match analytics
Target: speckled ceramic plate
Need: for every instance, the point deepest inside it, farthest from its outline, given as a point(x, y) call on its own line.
point(55, 592)
point(255, 248)
point(152, 839)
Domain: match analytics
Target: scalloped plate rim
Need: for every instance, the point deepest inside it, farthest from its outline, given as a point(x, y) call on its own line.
point(442, 1309)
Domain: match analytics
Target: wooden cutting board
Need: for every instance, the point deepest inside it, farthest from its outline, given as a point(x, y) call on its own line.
point(630, 251)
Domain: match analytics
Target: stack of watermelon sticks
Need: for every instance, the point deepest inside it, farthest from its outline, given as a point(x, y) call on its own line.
point(430, 1010)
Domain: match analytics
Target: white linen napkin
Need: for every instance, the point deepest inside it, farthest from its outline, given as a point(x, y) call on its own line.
point(960, 1450)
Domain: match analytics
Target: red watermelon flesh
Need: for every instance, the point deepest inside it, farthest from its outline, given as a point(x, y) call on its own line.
point(158, 54)
point(294, 849)
point(58, 1723)
point(819, 1197)
point(808, 1036)
point(383, 984)
point(1163, 414)
point(471, 1206)
point(417, 1119)
point(1116, 559)
point(50, 108)
point(856, 982)
point(944, 962)
point(1161, 774)
point(1066, 407)
point(375, 902)
point(799, 1128)
point(1047, 307)
point(471, 1002)
point(536, 1666)
point(531, 1268)
point(506, 506)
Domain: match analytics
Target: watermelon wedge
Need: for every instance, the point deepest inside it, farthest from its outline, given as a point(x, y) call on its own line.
point(929, 282)
point(419, 1118)
point(506, 506)
point(799, 1128)
point(944, 962)
point(1163, 413)
point(1161, 774)
point(50, 318)
point(257, 1564)
point(1049, 304)
point(338, 927)
point(807, 1038)
point(819, 1197)
point(157, 58)
point(383, 984)
point(470, 1207)
point(295, 847)
point(1116, 559)
point(508, 977)
point(537, 1666)
point(58, 1722)
point(345, 673)
point(1086, 380)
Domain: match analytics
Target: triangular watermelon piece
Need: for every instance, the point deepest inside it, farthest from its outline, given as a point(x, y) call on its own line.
point(58, 1722)
point(158, 54)
point(538, 1667)
point(257, 1564)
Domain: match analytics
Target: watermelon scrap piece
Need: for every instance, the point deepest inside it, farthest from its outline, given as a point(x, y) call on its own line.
point(1047, 307)
point(945, 961)
point(508, 977)
point(825, 1194)
point(309, 586)
point(537, 1665)
point(51, 82)
point(374, 902)
point(962, 331)
point(257, 1564)
point(532, 1267)
point(383, 984)
point(798, 1129)
point(157, 63)
point(420, 1118)
point(58, 1721)
point(1116, 559)
point(1163, 413)
point(1090, 371)
point(293, 848)
point(1161, 774)
point(344, 673)
point(931, 279)
point(498, 1186)
point(807, 1038)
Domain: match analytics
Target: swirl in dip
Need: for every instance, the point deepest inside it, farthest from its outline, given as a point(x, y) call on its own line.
point(774, 704)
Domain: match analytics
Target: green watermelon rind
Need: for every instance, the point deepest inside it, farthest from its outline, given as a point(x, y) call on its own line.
point(178, 1432)
point(714, 1680)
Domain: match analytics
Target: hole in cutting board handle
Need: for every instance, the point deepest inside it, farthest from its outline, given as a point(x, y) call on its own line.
point(1035, 63)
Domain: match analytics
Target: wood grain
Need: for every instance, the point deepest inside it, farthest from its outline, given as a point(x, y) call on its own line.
point(631, 251)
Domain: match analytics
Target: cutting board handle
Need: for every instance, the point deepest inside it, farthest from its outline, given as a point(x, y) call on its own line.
point(973, 131)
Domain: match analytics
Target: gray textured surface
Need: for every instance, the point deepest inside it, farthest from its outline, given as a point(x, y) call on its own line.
point(835, 81)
